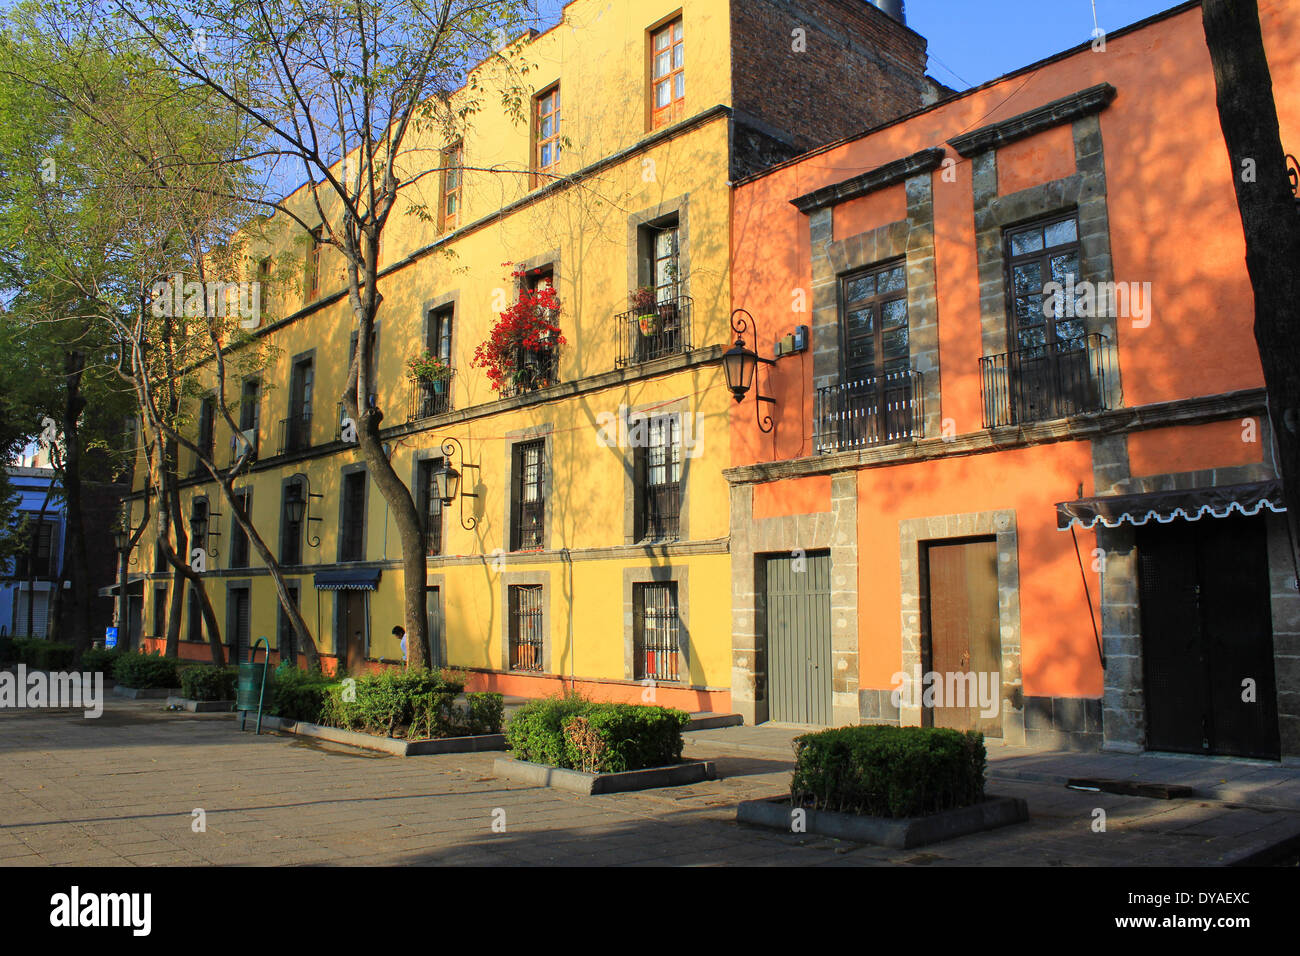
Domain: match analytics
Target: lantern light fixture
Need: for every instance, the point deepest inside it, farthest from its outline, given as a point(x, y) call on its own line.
point(739, 364)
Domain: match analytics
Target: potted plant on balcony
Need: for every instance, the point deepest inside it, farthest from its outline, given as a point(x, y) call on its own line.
point(520, 351)
point(643, 304)
point(427, 367)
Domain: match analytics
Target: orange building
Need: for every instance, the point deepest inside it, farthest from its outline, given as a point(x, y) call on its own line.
point(1019, 476)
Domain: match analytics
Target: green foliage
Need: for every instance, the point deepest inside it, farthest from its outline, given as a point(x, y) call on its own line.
point(299, 695)
point(888, 771)
point(100, 659)
point(419, 700)
point(578, 734)
point(483, 714)
point(143, 671)
point(42, 655)
point(209, 682)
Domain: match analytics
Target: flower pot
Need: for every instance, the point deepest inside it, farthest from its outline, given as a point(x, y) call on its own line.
point(649, 324)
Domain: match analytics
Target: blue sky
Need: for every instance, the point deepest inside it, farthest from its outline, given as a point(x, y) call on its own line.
point(973, 41)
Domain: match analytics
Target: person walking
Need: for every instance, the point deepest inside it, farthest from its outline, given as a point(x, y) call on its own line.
point(400, 632)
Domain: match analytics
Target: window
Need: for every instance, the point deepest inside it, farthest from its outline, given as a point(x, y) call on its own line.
point(453, 158)
point(297, 427)
point(314, 246)
point(430, 505)
point(290, 530)
point(874, 402)
point(207, 432)
point(285, 642)
point(1036, 255)
point(199, 524)
point(160, 612)
point(668, 79)
point(250, 414)
point(44, 565)
point(526, 627)
point(546, 123)
point(352, 540)
point(238, 538)
point(658, 463)
point(528, 492)
point(194, 616)
point(663, 265)
point(264, 271)
point(657, 631)
point(439, 334)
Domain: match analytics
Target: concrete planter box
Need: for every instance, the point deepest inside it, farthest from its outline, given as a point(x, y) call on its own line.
point(713, 721)
point(145, 693)
point(900, 833)
point(388, 745)
point(577, 781)
point(201, 706)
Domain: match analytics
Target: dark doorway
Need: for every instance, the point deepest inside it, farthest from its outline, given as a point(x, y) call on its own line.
point(433, 600)
point(239, 626)
point(354, 629)
point(1207, 630)
point(962, 640)
point(797, 605)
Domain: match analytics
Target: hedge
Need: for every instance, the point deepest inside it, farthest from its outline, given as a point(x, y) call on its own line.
point(209, 682)
point(143, 671)
point(100, 659)
point(414, 704)
point(578, 734)
point(888, 771)
point(42, 655)
point(298, 695)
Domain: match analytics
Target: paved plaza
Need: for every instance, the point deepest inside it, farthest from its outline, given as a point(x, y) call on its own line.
point(122, 790)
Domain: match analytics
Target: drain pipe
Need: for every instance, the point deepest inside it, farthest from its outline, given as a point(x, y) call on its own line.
point(1088, 595)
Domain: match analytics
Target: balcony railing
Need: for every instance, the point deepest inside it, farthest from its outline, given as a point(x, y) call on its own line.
point(869, 411)
point(646, 335)
point(295, 432)
point(536, 369)
point(430, 398)
point(1068, 377)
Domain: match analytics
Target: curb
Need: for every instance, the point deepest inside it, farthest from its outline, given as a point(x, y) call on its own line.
point(578, 781)
point(202, 706)
point(388, 745)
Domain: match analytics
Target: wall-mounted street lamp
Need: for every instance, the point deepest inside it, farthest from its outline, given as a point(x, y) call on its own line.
point(447, 481)
point(298, 508)
point(739, 363)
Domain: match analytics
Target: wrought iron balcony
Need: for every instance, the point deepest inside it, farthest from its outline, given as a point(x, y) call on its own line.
point(430, 398)
point(1040, 383)
point(646, 335)
point(869, 411)
point(535, 368)
point(295, 432)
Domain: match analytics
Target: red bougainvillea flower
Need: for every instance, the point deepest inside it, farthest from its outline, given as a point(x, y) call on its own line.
point(530, 324)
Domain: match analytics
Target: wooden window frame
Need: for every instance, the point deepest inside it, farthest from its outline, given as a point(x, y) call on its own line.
point(352, 528)
point(875, 301)
point(1044, 258)
point(543, 171)
point(240, 545)
point(675, 109)
point(453, 186)
point(317, 243)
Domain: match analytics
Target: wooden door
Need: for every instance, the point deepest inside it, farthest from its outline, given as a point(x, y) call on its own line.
point(353, 629)
point(963, 636)
point(797, 598)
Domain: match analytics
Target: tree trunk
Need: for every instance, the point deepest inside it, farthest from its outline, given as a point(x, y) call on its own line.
point(1269, 220)
point(75, 558)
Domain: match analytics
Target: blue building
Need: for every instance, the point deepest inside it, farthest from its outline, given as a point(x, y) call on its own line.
point(28, 581)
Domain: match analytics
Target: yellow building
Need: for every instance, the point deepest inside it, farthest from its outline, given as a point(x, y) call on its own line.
point(595, 548)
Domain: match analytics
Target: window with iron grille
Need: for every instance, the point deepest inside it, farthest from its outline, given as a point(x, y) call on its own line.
point(657, 631)
point(352, 540)
point(160, 611)
point(291, 531)
point(238, 538)
point(431, 505)
point(529, 493)
point(526, 627)
point(659, 478)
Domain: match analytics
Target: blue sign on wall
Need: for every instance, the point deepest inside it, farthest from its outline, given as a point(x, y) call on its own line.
point(110, 637)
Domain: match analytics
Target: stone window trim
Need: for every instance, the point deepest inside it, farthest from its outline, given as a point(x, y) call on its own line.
point(1067, 109)
point(649, 218)
point(418, 457)
point(436, 304)
point(835, 530)
point(1084, 193)
point(511, 579)
point(661, 574)
point(889, 174)
point(682, 408)
point(551, 259)
point(547, 433)
point(913, 534)
point(910, 239)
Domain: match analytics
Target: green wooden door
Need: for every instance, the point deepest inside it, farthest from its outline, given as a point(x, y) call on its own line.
point(798, 609)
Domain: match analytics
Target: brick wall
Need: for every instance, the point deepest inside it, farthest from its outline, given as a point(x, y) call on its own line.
point(853, 67)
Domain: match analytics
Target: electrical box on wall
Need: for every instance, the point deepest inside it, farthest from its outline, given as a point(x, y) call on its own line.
point(796, 341)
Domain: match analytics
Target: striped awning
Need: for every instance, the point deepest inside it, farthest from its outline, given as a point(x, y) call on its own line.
point(1189, 504)
point(357, 579)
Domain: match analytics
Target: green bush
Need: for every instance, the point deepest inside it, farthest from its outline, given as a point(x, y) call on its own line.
point(299, 695)
point(99, 659)
point(579, 734)
point(483, 714)
point(888, 771)
point(209, 682)
point(42, 655)
point(143, 671)
point(421, 701)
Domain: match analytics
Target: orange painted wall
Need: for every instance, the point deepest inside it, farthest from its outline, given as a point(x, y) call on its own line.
point(1195, 447)
point(1174, 223)
point(1036, 159)
point(798, 496)
point(1058, 650)
point(691, 701)
point(870, 211)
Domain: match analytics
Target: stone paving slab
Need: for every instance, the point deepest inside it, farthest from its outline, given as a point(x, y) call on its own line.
point(120, 791)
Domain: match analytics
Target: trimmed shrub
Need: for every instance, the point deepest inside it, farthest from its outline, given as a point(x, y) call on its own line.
point(209, 682)
point(143, 671)
point(299, 695)
point(483, 714)
point(42, 655)
point(578, 734)
point(888, 771)
point(100, 659)
point(418, 700)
